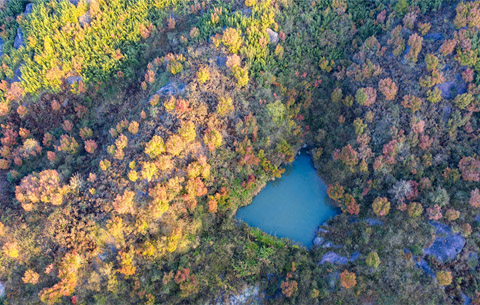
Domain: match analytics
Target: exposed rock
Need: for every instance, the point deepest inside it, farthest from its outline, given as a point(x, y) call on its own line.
point(28, 9)
point(466, 299)
point(17, 74)
point(73, 79)
point(250, 295)
point(333, 258)
point(2, 291)
point(322, 230)
point(247, 12)
point(332, 279)
point(374, 222)
point(318, 241)
point(1, 46)
point(447, 110)
point(434, 36)
point(355, 255)
point(329, 244)
point(19, 42)
point(85, 19)
point(221, 61)
point(424, 265)
point(447, 245)
point(272, 36)
point(172, 88)
point(453, 88)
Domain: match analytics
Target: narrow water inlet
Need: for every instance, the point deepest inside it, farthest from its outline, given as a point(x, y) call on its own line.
point(292, 206)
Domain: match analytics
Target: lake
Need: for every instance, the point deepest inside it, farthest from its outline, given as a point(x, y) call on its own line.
point(292, 206)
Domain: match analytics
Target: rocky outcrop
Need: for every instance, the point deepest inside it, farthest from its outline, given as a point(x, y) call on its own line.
point(172, 88)
point(19, 42)
point(336, 259)
point(2, 291)
point(272, 36)
point(249, 295)
point(85, 19)
point(446, 245)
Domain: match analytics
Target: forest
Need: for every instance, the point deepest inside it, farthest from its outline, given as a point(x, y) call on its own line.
point(131, 132)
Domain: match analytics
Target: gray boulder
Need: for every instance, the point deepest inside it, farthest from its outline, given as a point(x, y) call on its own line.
point(2, 291)
point(73, 79)
point(453, 88)
point(332, 279)
point(272, 36)
point(374, 222)
point(28, 9)
point(333, 258)
point(446, 245)
point(318, 241)
point(17, 74)
point(221, 61)
point(85, 19)
point(434, 36)
point(19, 42)
point(172, 88)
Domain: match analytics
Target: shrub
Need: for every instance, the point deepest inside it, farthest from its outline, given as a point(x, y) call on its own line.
point(40, 187)
point(124, 204)
point(372, 259)
point(203, 75)
point(381, 206)
point(10, 249)
point(127, 268)
point(389, 89)
point(415, 42)
point(175, 145)
point(187, 132)
point(452, 214)
point(225, 106)
point(350, 205)
point(448, 46)
point(68, 280)
point(359, 126)
point(337, 95)
point(155, 147)
point(409, 20)
point(475, 198)
point(366, 96)
point(90, 146)
point(434, 96)
point(462, 101)
point(213, 139)
point(348, 279)
point(241, 75)
point(431, 62)
point(335, 192)
point(412, 102)
point(435, 213)
point(470, 169)
point(133, 127)
point(232, 39)
point(444, 278)
point(415, 209)
point(30, 277)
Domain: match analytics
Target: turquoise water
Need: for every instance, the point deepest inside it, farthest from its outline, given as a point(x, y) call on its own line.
point(292, 206)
